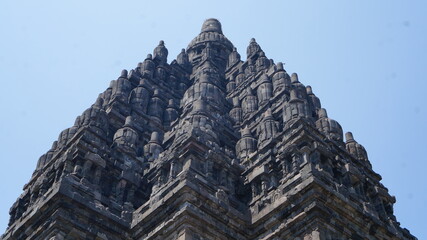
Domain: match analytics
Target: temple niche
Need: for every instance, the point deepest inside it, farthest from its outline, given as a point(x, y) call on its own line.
point(207, 146)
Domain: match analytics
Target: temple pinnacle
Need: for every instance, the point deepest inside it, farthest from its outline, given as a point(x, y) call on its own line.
point(212, 25)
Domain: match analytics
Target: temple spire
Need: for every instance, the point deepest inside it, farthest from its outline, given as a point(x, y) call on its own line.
point(209, 146)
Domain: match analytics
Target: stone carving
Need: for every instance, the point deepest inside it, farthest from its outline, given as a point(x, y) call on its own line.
point(295, 108)
point(233, 58)
point(121, 88)
point(249, 103)
point(268, 128)
point(240, 78)
point(140, 97)
point(160, 53)
point(331, 128)
point(313, 100)
point(171, 113)
point(182, 60)
point(156, 106)
point(127, 137)
point(246, 145)
point(236, 113)
point(265, 90)
point(354, 148)
point(147, 67)
point(253, 48)
point(262, 63)
point(281, 79)
point(153, 147)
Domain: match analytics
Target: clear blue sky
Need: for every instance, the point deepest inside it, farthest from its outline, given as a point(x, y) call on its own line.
point(365, 59)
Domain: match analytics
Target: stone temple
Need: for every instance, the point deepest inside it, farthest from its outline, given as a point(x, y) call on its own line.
point(207, 147)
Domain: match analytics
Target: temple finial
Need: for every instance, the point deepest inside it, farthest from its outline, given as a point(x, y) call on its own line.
point(212, 25)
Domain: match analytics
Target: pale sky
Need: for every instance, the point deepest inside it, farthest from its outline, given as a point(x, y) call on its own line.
point(364, 59)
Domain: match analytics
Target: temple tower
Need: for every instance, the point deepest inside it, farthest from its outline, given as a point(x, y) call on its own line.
point(208, 146)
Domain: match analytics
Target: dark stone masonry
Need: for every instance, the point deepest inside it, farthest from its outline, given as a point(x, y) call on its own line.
point(206, 147)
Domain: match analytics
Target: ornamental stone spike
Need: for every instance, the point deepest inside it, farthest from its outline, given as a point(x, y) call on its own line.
point(349, 137)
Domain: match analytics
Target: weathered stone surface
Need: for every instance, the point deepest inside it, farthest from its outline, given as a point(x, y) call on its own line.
point(207, 147)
